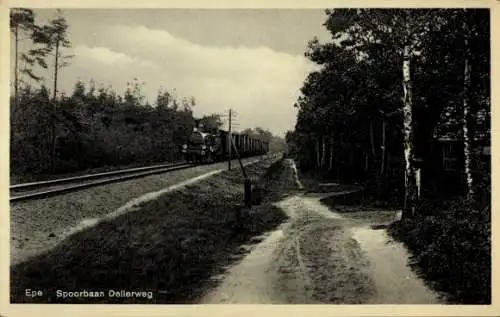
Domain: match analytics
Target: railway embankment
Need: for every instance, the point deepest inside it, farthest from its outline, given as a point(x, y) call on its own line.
point(160, 250)
point(39, 224)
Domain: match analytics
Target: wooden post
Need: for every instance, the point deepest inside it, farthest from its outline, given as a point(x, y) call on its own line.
point(229, 141)
point(248, 193)
point(248, 184)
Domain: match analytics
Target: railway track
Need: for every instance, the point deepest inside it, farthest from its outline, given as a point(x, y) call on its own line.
point(43, 189)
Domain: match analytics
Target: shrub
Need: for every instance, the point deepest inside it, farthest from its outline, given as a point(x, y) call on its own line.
point(452, 248)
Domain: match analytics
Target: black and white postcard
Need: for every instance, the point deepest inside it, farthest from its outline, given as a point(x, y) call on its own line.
point(313, 155)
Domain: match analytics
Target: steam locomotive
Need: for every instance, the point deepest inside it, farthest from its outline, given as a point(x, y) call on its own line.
point(208, 147)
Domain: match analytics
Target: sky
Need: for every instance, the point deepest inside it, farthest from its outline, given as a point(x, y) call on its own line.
point(250, 60)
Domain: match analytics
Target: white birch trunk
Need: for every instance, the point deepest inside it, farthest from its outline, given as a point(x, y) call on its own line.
point(466, 117)
point(412, 184)
point(382, 164)
point(418, 181)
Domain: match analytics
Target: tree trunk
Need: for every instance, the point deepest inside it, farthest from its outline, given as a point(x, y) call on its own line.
point(318, 157)
point(16, 67)
point(323, 152)
point(53, 160)
point(372, 140)
point(466, 116)
point(330, 167)
point(340, 156)
point(411, 182)
point(55, 70)
point(382, 163)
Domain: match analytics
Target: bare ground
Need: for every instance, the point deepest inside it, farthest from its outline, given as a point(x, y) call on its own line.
point(337, 255)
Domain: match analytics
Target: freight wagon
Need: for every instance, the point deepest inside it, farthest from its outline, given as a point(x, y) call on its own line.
point(205, 147)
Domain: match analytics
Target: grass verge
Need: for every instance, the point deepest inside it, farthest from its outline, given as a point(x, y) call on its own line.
point(170, 246)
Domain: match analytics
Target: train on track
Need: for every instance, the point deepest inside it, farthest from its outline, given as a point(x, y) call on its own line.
point(208, 147)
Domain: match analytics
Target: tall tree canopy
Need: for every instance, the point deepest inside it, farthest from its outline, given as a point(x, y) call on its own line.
point(391, 81)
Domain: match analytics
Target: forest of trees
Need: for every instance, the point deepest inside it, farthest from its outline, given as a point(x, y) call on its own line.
point(393, 82)
point(94, 126)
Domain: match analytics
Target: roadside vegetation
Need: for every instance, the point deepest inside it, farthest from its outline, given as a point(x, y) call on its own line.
point(451, 246)
point(400, 105)
point(170, 246)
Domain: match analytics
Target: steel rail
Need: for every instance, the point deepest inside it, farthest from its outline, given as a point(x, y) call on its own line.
point(59, 181)
point(121, 175)
point(67, 189)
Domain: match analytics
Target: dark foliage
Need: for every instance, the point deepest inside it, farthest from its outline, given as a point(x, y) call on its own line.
point(93, 129)
point(451, 247)
point(350, 129)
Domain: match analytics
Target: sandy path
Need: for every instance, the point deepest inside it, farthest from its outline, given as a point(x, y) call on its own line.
point(389, 269)
point(251, 282)
point(322, 256)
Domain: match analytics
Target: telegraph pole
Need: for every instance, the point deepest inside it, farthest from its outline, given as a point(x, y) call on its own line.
point(229, 139)
point(247, 184)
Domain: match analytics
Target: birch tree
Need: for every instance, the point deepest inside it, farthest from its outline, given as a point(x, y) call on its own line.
point(466, 111)
point(401, 29)
point(390, 49)
point(412, 185)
